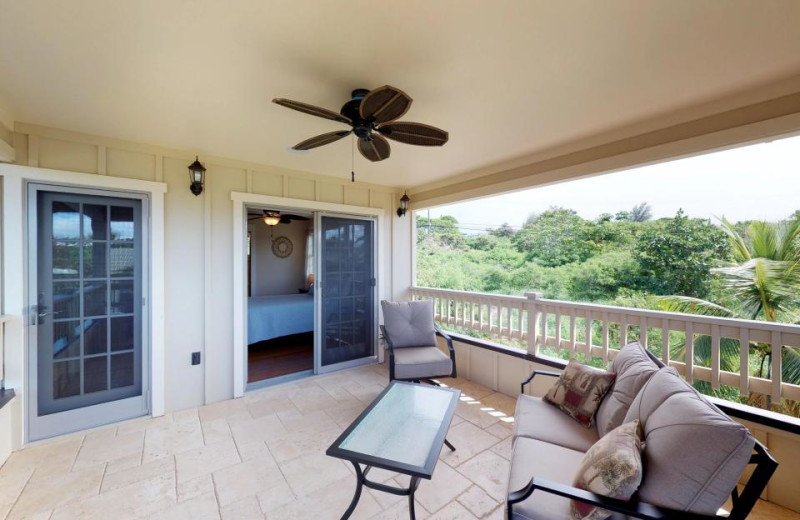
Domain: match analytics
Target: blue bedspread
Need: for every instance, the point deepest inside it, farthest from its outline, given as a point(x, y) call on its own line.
point(280, 315)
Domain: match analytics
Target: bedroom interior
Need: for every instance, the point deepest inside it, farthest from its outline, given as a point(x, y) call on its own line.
point(280, 333)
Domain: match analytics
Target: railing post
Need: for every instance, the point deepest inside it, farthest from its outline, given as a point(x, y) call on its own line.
point(533, 322)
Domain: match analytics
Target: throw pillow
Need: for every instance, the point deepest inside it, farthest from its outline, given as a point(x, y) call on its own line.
point(612, 467)
point(579, 391)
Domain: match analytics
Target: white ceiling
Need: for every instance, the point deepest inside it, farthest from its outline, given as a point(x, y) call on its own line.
point(505, 78)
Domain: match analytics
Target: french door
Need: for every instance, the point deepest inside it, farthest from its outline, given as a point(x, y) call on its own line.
point(347, 292)
point(86, 356)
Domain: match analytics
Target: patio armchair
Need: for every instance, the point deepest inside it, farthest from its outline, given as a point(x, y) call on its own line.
point(410, 335)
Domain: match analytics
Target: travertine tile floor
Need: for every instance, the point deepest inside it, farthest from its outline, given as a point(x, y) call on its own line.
point(262, 457)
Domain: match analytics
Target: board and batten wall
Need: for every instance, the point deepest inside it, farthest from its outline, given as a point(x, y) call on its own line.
point(271, 274)
point(198, 239)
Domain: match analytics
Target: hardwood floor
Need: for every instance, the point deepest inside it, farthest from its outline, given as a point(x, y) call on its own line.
point(280, 356)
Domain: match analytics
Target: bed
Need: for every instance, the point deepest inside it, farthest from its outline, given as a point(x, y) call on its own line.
point(279, 315)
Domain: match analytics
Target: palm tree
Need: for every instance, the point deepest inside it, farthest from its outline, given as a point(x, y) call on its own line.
point(763, 279)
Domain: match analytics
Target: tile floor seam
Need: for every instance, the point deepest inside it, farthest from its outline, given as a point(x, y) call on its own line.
point(16, 500)
point(175, 473)
point(102, 478)
point(77, 454)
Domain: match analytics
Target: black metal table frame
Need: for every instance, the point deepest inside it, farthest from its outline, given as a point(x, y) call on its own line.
point(368, 461)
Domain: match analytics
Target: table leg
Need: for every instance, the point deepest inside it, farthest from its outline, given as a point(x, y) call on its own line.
point(411, 489)
point(447, 443)
point(357, 496)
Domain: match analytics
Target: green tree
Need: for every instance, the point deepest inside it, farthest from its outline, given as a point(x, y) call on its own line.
point(676, 255)
point(556, 237)
point(763, 279)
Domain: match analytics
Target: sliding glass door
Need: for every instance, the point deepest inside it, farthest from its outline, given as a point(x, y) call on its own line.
point(347, 292)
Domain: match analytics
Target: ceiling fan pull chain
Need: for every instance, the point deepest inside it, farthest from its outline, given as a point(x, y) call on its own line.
point(353, 160)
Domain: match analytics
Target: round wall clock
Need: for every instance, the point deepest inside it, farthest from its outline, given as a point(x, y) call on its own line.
point(282, 247)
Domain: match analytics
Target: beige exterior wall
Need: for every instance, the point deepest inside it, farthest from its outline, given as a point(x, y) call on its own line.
point(504, 373)
point(198, 231)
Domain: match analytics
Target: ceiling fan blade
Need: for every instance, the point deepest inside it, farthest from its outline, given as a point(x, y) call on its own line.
point(385, 104)
point(312, 110)
point(414, 133)
point(322, 139)
point(375, 149)
point(293, 217)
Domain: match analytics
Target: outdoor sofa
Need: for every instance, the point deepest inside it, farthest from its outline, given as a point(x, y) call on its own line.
point(693, 454)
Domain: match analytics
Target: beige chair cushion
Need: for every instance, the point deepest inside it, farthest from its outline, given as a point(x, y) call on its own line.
point(633, 369)
point(579, 391)
point(539, 420)
point(694, 454)
point(409, 324)
point(612, 468)
point(534, 458)
point(421, 363)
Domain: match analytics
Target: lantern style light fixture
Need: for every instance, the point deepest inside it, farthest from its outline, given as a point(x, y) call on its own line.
point(197, 174)
point(404, 200)
point(271, 218)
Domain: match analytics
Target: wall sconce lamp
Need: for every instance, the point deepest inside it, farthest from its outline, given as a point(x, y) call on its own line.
point(197, 173)
point(404, 200)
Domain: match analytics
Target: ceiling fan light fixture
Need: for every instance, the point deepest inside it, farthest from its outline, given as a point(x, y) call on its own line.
point(271, 218)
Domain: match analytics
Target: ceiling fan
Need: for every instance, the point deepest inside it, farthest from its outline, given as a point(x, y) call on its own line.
point(273, 218)
point(372, 114)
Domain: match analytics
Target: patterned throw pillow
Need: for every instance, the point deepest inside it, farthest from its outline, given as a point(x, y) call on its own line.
point(579, 391)
point(612, 468)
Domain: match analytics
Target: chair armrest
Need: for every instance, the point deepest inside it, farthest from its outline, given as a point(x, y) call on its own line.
point(387, 339)
point(534, 374)
point(449, 342)
point(629, 508)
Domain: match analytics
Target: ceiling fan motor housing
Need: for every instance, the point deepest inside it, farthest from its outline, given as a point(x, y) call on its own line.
point(362, 128)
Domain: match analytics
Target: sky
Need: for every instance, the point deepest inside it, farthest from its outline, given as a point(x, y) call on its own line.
point(756, 182)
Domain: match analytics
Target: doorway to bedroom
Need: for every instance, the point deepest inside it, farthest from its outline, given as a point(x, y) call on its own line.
point(280, 290)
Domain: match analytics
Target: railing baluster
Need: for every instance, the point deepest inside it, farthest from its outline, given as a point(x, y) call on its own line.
point(744, 361)
point(689, 348)
point(777, 365)
point(605, 337)
point(623, 330)
point(665, 341)
point(558, 329)
point(588, 326)
point(543, 342)
point(572, 333)
point(715, 356)
point(643, 332)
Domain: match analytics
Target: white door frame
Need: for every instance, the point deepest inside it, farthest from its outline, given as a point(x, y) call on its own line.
point(240, 203)
point(16, 270)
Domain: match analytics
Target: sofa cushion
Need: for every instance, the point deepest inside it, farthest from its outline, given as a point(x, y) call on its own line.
point(536, 419)
point(534, 458)
point(694, 454)
point(409, 324)
point(612, 468)
point(579, 391)
point(421, 363)
point(633, 368)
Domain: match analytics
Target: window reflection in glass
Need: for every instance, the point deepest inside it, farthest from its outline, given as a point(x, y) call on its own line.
point(95, 222)
point(121, 223)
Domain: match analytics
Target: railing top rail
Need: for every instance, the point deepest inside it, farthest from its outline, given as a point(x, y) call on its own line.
point(4, 318)
point(647, 313)
point(470, 294)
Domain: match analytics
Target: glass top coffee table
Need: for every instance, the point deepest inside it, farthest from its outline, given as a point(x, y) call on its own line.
point(402, 430)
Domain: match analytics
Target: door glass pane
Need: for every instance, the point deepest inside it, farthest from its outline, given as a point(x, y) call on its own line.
point(66, 339)
point(95, 336)
point(66, 259)
point(66, 220)
point(122, 296)
point(66, 378)
point(94, 298)
point(95, 377)
point(122, 258)
point(348, 295)
point(66, 300)
point(121, 370)
point(95, 222)
point(94, 259)
point(121, 223)
point(121, 333)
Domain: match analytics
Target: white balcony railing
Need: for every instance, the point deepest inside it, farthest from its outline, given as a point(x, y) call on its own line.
point(573, 326)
